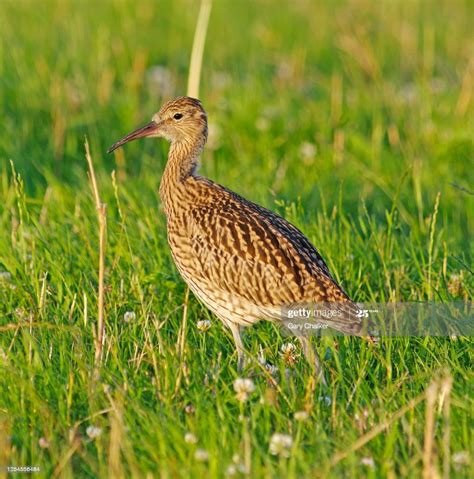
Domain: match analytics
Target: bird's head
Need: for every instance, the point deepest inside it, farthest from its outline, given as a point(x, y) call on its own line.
point(182, 120)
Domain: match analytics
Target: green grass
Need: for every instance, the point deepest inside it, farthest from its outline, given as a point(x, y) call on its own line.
point(382, 92)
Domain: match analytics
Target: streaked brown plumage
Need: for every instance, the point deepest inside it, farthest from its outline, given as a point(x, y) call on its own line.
point(241, 260)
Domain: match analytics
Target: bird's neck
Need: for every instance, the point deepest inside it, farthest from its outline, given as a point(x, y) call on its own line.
point(183, 160)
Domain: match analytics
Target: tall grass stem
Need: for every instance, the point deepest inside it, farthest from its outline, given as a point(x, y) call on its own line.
point(198, 48)
point(102, 221)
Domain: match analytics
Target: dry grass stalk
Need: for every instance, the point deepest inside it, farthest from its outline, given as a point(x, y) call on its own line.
point(115, 444)
point(363, 440)
point(5, 445)
point(441, 389)
point(428, 465)
point(102, 219)
point(182, 329)
point(75, 444)
point(198, 48)
point(465, 96)
point(64, 462)
point(446, 387)
point(180, 349)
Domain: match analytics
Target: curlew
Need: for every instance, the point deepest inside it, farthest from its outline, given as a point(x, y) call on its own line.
point(244, 262)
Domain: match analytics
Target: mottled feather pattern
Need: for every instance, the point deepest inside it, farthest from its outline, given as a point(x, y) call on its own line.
point(248, 257)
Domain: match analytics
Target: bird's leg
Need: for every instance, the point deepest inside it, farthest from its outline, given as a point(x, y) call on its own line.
point(312, 358)
point(235, 328)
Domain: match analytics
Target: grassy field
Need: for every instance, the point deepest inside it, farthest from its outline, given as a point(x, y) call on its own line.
point(354, 119)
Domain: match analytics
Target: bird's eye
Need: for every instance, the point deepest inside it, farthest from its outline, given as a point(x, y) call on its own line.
point(178, 116)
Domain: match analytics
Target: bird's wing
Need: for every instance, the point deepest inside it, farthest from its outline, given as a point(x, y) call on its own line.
point(247, 250)
point(251, 255)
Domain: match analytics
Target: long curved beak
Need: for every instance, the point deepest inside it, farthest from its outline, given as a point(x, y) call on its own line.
point(147, 130)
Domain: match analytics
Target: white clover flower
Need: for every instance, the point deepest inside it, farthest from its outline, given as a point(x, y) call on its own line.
point(93, 432)
point(203, 325)
point(129, 316)
point(301, 415)
point(160, 81)
point(5, 276)
point(288, 351)
point(288, 348)
point(231, 470)
point(408, 93)
point(368, 461)
point(190, 438)
point(280, 444)
point(243, 388)
point(242, 469)
point(237, 466)
point(461, 459)
point(308, 152)
point(201, 455)
point(189, 409)
point(43, 443)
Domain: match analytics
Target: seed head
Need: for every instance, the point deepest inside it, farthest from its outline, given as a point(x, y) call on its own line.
point(455, 285)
